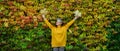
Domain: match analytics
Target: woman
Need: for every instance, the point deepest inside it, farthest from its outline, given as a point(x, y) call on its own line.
point(59, 33)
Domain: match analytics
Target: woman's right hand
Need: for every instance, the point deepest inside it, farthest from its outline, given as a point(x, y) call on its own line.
point(43, 12)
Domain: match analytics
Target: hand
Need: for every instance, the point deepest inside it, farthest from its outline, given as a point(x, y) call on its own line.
point(77, 13)
point(44, 11)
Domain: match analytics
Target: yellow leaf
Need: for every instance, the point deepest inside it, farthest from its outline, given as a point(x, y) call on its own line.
point(6, 24)
point(72, 0)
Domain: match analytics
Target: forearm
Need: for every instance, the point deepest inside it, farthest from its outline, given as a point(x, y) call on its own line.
point(75, 18)
point(70, 23)
point(47, 22)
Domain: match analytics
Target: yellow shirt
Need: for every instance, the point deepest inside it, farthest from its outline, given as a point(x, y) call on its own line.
point(58, 34)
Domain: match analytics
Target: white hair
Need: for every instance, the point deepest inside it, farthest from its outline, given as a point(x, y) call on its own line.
point(59, 20)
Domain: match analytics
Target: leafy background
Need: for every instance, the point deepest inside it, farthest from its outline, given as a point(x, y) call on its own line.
point(22, 28)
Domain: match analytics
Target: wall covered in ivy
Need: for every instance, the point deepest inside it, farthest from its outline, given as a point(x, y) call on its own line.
point(22, 27)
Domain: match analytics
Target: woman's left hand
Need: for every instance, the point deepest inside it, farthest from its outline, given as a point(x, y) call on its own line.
point(77, 13)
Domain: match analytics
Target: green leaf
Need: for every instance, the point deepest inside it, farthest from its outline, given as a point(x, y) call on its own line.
point(1, 0)
point(23, 45)
point(3, 32)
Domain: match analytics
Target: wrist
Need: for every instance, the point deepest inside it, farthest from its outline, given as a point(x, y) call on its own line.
point(75, 18)
point(43, 16)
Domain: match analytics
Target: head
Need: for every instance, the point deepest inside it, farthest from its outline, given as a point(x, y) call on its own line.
point(59, 22)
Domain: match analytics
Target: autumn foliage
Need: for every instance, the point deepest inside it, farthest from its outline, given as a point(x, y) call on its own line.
point(22, 27)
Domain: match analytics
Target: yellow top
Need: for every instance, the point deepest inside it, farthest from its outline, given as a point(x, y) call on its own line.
point(59, 33)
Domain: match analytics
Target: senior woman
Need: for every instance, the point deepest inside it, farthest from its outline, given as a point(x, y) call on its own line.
point(58, 32)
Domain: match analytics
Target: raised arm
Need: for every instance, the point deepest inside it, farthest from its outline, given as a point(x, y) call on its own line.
point(47, 22)
point(77, 15)
point(71, 22)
